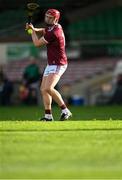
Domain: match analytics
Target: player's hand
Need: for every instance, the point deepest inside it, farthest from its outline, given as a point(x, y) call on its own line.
point(29, 26)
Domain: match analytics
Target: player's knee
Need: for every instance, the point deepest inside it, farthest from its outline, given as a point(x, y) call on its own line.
point(46, 90)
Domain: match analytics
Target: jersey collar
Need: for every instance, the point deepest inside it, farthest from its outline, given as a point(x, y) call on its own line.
point(52, 27)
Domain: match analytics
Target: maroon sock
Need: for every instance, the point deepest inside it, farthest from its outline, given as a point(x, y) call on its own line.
point(48, 111)
point(63, 106)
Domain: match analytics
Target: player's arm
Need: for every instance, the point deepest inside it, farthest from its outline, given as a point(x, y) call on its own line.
point(30, 26)
point(39, 29)
point(38, 42)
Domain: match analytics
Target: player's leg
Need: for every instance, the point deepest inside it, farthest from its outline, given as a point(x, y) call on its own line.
point(47, 98)
point(47, 101)
point(50, 83)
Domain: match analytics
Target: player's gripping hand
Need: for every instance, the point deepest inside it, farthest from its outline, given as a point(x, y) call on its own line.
point(29, 26)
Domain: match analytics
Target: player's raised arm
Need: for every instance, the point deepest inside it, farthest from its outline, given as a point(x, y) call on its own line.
point(30, 26)
point(36, 40)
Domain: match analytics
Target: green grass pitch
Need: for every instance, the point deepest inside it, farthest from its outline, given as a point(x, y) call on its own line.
point(88, 146)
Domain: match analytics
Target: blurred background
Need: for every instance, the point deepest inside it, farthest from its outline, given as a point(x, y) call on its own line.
point(93, 31)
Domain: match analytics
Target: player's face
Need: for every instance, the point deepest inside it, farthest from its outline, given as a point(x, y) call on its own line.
point(49, 20)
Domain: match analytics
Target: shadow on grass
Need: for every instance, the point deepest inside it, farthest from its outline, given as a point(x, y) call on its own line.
point(56, 130)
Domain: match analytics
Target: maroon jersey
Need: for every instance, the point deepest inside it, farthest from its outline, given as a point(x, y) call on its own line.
point(56, 45)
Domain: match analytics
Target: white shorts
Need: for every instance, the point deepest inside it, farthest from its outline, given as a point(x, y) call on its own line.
point(55, 69)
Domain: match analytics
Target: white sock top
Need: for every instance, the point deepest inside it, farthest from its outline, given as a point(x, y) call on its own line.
point(65, 110)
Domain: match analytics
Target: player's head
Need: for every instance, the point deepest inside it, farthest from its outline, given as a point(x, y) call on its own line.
point(52, 16)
